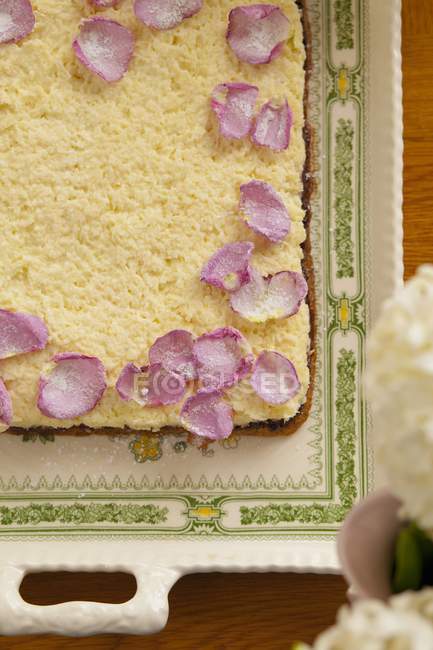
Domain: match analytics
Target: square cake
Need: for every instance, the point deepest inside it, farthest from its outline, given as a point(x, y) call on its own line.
point(116, 195)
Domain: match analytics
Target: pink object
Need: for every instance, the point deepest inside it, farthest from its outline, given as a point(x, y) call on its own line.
point(272, 126)
point(17, 20)
point(207, 415)
point(165, 14)
point(5, 405)
point(366, 545)
point(257, 33)
point(233, 104)
point(73, 388)
point(21, 333)
point(222, 357)
point(274, 378)
point(264, 210)
point(104, 4)
point(229, 268)
point(174, 352)
point(276, 296)
point(150, 385)
point(105, 47)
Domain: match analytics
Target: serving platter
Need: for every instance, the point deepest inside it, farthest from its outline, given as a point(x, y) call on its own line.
point(162, 506)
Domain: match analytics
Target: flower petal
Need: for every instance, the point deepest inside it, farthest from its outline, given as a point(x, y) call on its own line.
point(256, 33)
point(150, 385)
point(17, 20)
point(165, 14)
point(229, 268)
point(274, 378)
point(174, 352)
point(264, 210)
point(126, 385)
point(21, 333)
point(104, 4)
point(272, 126)
point(105, 47)
point(277, 296)
point(73, 387)
point(223, 358)
point(207, 415)
point(233, 104)
point(5, 405)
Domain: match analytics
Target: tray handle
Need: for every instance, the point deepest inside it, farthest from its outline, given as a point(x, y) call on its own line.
point(145, 613)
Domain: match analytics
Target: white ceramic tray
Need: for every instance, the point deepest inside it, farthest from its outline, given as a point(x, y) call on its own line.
point(163, 507)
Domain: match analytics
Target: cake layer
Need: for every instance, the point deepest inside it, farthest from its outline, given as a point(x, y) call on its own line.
point(114, 195)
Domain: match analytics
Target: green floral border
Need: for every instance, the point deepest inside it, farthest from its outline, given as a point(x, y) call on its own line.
point(344, 22)
point(343, 242)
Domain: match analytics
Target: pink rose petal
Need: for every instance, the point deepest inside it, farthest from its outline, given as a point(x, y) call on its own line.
point(223, 358)
point(233, 104)
point(228, 268)
point(207, 415)
point(127, 384)
point(276, 296)
point(264, 210)
point(21, 333)
point(274, 378)
point(174, 352)
point(272, 126)
point(104, 4)
point(73, 388)
point(5, 405)
point(257, 33)
point(150, 385)
point(17, 20)
point(105, 47)
point(165, 14)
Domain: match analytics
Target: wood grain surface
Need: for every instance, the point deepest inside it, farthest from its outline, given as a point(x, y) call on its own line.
point(230, 611)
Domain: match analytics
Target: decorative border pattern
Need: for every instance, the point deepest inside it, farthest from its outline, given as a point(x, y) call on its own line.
point(219, 508)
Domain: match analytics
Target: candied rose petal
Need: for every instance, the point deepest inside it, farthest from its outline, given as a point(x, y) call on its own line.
point(174, 352)
point(17, 20)
point(105, 47)
point(257, 33)
point(264, 210)
point(160, 387)
point(223, 358)
point(165, 14)
point(104, 4)
point(276, 296)
point(274, 378)
point(229, 268)
point(127, 383)
point(5, 405)
point(272, 126)
point(233, 104)
point(206, 414)
point(21, 333)
point(73, 387)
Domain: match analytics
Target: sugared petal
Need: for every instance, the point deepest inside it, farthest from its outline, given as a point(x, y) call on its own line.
point(104, 4)
point(17, 20)
point(73, 387)
point(21, 333)
point(207, 415)
point(127, 384)
point(277, 296)
point(223, 358)
point(105, 47)
point(272, 126)
point(174, 352)
point(274, 378)
point(165, 14)
point(160, 387)
point(5, 405)
point(264, 210)
point(233, 104)
point(256, 33)
point(229, 268)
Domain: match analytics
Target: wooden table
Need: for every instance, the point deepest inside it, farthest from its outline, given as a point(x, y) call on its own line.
point(271, 610)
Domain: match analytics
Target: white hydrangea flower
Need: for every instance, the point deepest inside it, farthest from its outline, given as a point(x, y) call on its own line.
point(400, 384)
point(420, 602)
point(372, 625)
